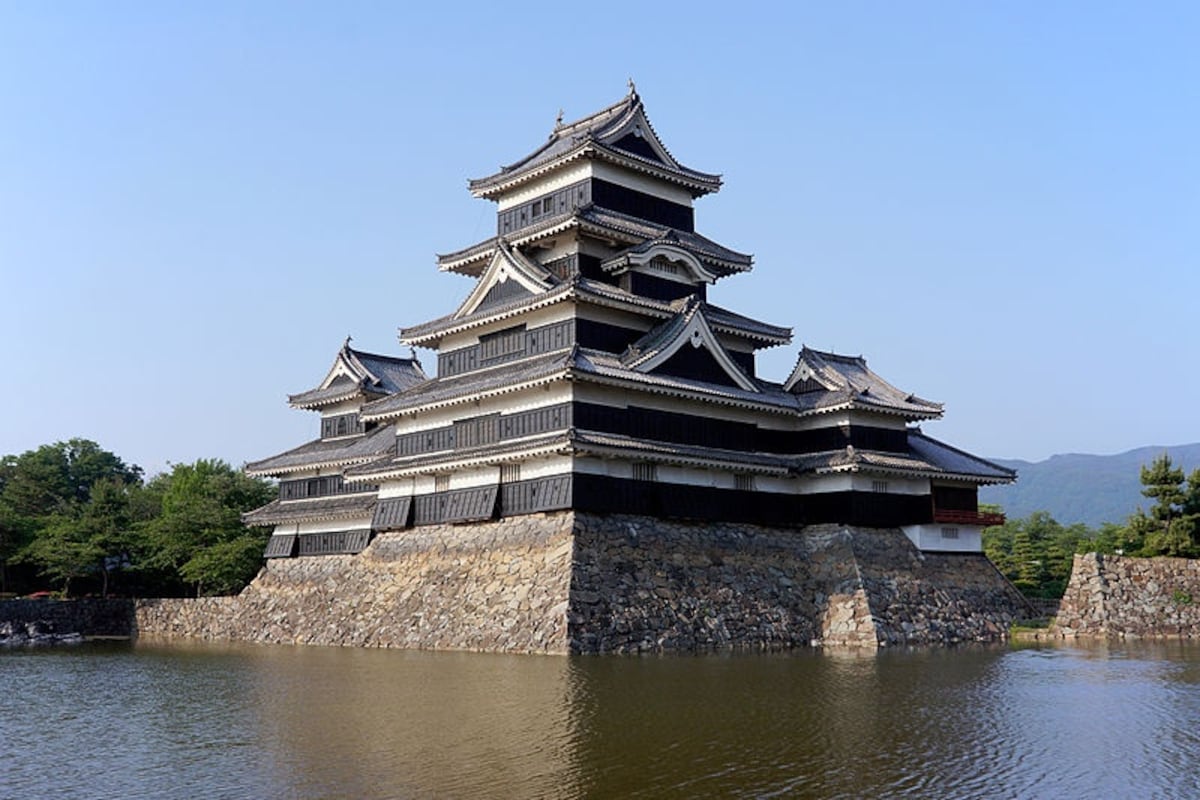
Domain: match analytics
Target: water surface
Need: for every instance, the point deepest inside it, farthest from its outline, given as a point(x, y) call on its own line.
point(294, 722)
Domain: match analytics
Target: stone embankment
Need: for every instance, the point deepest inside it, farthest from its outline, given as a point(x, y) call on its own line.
point(500, 586)
point(51, 621)
point(575, 582)
point(1125, 597)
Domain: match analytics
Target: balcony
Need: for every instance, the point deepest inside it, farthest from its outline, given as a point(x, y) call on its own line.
point(947, 516)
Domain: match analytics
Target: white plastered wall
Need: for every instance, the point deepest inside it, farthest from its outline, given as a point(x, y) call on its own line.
point(943, 538)
point(324, 526)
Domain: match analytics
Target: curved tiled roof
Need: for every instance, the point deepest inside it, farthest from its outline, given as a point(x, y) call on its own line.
point(926, 458)
point(280, 512)
point(827, 381)
point(600, 135)
point(595, 219)
point(469, 386)
point(605, 367)
point(593, 291)
point(494, 453)
point(371, 375)
point(608, 444)
point(959, 462)
point(322, 453)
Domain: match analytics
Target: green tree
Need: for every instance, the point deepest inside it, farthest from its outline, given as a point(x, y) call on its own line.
point(43, 493)
point(1036, 553)
point(85, 539)
point(1172, 524)
point(197, 536)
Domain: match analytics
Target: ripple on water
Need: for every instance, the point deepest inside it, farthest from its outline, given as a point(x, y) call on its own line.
point(311, 722)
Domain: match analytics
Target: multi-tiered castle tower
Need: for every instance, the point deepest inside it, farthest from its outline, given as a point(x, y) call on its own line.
point(588, 371)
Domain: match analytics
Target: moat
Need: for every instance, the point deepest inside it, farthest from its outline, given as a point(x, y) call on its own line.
point(219, 721)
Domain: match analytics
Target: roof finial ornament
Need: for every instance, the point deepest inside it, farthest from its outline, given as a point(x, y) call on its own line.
point(632, 88)
point(346, 344)
point(558, 120)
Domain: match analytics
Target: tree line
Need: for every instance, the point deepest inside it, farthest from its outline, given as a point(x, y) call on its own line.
point(77, 519)
point(1036, 553)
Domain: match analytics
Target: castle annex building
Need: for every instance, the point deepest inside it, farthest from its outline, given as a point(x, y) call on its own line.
point(588, 370)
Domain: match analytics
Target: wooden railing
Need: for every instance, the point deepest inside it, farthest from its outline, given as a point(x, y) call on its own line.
point(949, 516)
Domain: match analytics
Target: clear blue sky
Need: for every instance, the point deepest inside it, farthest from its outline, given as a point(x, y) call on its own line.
point(997, 204)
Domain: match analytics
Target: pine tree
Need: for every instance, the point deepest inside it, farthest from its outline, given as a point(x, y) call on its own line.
point(1172, 526)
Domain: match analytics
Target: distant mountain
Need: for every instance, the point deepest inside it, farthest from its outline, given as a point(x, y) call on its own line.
point(1083, 488)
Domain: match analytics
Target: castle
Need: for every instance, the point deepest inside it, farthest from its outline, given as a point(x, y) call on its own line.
point(587, 373)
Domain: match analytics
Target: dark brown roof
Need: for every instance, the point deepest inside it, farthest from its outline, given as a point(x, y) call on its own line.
point(280, 512)
point(438, 391)
point(959, 462)
point(609, 224)
point(926, 457)
point(603, 135)
point(826, 381)
point(329, 453)
point(493, 453)
point(371, 375)
point(589, 290)
point(673, 453)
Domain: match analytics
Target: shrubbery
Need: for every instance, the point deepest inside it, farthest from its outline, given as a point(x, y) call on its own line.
point(76, 517)
point(1036, 552)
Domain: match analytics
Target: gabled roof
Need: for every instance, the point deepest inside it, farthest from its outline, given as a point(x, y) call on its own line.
point(829, 381)
point(328, 453)
point(360, 374)
point(620, 134)
point(688, 328)
point(596, 366)
point(507, 264)
point(607, 224)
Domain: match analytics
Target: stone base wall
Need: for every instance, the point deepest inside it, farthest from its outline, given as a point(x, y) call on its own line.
point(576, 582)
point(62, 617)
point(499, 586)
point(1125, 597)
point(934, 598)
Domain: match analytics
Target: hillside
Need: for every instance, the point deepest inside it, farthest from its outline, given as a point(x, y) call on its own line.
point(1083, 488)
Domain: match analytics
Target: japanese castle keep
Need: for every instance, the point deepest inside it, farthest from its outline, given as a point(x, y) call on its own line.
point(597, 464)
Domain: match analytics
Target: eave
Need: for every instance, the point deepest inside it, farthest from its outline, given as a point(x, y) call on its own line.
point(495, 186)
point(853, 405)
point(469, 396)
point(449, 461)
point(612, 227)
point(715, 395)
point(317, 465)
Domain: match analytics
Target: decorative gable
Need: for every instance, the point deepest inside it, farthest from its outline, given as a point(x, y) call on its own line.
point(359, 375)
point(635, 135)
point(662, 258)
point(848, 380)
point(509, 276)
point(686, 346)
